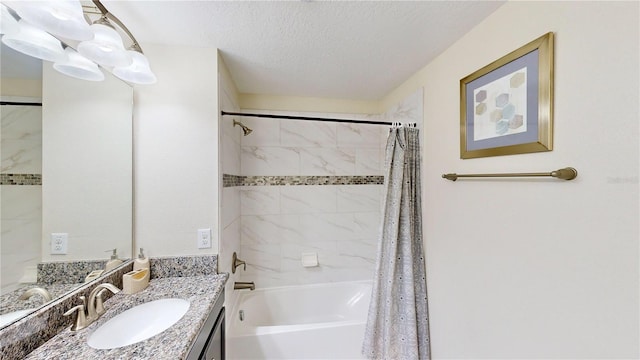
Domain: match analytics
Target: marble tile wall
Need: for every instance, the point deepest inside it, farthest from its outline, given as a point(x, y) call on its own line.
point(334, 209)
point(338, 222)
point(410, 109)
point(20, 191)
point(290, 147)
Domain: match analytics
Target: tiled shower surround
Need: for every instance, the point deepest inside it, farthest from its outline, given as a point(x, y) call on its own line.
point(20, 189)
point(306, 187)
point(338, 222)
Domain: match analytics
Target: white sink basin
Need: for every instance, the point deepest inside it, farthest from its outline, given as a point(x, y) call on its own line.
point(138, 323)
point(6, 319)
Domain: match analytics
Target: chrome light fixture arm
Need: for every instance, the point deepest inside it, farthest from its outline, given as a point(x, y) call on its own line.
point(105, 13)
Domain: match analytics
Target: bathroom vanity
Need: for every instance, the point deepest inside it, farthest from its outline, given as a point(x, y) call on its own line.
point(199, 334)
point(210, 341)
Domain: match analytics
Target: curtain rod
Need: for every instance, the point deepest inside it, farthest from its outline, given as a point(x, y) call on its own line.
point(20, 103)
point(567, 173)
point(287, 117)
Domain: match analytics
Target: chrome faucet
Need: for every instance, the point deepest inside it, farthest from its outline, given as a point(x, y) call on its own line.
point(36, 291)
point(95, 308)
point(87, 313)
point(239, 285)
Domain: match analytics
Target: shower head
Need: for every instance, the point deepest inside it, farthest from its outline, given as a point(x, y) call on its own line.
point(245, 129)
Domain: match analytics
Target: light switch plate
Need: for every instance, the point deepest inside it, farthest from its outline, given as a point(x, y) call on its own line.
point(59, 242)
point(204, 238)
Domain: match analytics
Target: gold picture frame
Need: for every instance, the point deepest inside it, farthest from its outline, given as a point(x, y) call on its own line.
point(506, 107)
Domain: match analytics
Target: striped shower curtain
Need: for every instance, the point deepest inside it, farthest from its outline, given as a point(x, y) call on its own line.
point(398, 323)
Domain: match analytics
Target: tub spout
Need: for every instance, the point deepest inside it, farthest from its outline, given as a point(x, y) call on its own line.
point(239, 285)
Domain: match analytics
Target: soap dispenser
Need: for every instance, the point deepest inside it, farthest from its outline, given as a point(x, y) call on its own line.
point(114, 262)
point(141, 262)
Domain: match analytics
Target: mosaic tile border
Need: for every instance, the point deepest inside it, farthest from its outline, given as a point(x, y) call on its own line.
point(182, 266)
point(20, 179)
point(237, 180)
point(232, 180)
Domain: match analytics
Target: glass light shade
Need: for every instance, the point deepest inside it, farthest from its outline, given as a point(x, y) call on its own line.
point(78, 66)
point(8, 24)
point(63, 18)
point(138, 72)
point(34, 42)
point(106, 48)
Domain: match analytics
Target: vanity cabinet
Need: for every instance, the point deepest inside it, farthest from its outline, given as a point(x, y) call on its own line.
point(210, 342)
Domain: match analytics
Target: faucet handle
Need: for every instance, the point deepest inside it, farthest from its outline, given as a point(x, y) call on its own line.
point(80, 319)
point(100, 303)
point(235, 262)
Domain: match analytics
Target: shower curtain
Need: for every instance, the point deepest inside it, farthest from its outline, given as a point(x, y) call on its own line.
point(398, 323)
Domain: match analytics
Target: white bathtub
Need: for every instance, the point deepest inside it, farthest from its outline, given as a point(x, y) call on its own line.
point(321, 321)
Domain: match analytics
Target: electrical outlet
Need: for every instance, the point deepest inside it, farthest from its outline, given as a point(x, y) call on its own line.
point(59, 242)
point(204, 238)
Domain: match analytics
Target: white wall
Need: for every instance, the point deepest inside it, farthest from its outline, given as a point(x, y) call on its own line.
point(176, 151)
point(86, 165)
point(538, 268)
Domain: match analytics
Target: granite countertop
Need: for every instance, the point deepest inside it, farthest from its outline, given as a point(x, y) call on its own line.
point(9, 302)
point(173, 343)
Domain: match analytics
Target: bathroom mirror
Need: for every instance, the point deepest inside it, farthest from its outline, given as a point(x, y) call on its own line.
point(67, 173)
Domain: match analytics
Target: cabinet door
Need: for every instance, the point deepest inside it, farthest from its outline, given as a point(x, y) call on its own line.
point(215, 346)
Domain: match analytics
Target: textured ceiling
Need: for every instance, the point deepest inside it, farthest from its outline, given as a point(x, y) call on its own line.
point(335, 49)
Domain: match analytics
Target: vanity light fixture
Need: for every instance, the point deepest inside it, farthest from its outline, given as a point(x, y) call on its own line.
point(106, 47)
point(100, 42)
point(35, 42)
point(62, 18)
point(139, 71)
point(78, 66)
point(8, 24)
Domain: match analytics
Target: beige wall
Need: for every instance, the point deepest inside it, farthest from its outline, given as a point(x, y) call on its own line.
point(538, 268)
point(299, 103)
point(21, 87)
point(176, 151)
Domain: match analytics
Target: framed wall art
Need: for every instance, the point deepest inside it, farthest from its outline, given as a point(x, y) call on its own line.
point(506, 107)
